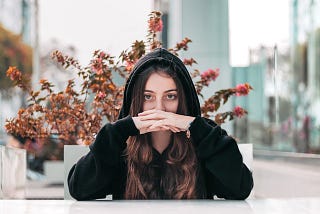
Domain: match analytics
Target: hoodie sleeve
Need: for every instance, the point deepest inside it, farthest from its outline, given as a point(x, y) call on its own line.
point(225, 173)
point(96, 174)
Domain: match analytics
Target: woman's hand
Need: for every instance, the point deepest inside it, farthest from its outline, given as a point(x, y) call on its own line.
point(144, 126)
point(157, 120)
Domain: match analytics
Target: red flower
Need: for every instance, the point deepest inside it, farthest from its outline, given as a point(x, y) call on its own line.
point(238, 111)
point(243, 89)
point(155, 25)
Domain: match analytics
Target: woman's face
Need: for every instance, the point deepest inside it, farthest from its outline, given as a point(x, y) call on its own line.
point(160, 93)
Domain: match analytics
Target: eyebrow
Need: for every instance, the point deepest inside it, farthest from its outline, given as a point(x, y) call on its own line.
point(164, 92)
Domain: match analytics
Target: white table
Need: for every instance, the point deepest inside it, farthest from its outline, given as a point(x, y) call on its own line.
point(261, 206)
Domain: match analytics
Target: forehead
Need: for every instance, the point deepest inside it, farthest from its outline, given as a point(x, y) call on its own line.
point(160, 81)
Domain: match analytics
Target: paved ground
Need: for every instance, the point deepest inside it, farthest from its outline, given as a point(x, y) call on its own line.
point(43, 190)
point(273, 179)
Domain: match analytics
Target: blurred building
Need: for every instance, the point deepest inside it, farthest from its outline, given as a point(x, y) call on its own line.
point(284, 106)
point(305, 54)
point(269, 103)
point(15, 15)
point(206, 23)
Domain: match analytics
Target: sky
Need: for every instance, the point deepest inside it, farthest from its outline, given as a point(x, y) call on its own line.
point(256, 22)
point(112, 24)
point(93, 24)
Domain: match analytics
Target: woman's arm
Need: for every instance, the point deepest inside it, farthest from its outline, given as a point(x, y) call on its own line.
point(95, 174)
point(225, 173)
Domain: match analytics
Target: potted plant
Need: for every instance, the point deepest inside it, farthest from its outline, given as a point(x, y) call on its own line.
point(74, 116)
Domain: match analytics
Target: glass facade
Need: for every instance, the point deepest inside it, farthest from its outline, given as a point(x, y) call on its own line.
point(284, 106)
point(305, 41)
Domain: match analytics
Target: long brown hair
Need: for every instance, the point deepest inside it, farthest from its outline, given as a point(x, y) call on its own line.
point(178, 178)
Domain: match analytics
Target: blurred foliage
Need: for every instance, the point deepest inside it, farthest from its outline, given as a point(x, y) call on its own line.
point(13, 52)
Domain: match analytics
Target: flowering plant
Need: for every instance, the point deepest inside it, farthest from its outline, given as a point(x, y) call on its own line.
point(74, 115)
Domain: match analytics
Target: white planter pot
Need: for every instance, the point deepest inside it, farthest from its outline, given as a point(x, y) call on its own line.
point(13, 167)
point(246, 151)
point(72, 153)
point(53, 171)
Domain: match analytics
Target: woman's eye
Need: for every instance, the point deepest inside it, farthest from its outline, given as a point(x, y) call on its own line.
point(171, 96)
point(147, 97)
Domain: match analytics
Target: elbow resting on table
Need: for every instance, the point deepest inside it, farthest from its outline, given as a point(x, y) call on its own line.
point(245, 190)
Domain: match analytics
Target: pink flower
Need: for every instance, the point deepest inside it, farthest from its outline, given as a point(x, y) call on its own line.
point(102, 55)
point(209, 75)
point(101, 94)
point(238, 111)
point(155, 25)
point(243, 89)
point(97, 69)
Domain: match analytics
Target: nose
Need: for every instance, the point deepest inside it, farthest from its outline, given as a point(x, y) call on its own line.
point(160, 105)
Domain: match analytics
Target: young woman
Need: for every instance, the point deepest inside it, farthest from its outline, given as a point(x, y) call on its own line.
point(160, 147)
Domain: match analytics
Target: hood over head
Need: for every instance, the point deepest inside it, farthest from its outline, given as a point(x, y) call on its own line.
point(157, 56)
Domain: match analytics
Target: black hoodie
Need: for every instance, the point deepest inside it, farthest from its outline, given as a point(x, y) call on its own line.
point(103, 171)
point(157, 56)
